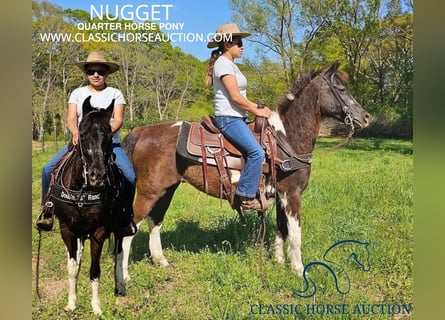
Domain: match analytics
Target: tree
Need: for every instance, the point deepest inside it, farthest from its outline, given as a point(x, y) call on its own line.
point(49, 67)
point(274, 26)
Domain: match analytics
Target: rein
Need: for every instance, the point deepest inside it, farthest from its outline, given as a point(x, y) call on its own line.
point(293, 161)
point(79, 197)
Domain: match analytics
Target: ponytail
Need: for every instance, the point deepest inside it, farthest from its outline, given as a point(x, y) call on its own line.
point(209, 72)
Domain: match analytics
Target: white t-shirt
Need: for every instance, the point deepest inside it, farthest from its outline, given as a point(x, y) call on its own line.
point(99, 100)
point(224, 106)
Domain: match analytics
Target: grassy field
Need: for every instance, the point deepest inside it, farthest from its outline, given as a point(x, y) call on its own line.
point(361, 192)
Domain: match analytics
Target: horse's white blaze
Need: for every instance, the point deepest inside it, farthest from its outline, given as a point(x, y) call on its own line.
point(155, 244)
point(95, 302)
point(73, 272)
point(276, 122)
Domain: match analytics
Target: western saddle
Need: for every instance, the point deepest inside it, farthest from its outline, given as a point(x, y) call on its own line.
point(205, 144)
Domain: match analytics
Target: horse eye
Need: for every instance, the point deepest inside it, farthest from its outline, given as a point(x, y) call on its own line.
point(340, 87)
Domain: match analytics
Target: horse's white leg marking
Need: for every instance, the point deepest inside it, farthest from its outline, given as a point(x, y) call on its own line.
point(279, 242)
point(155, 245)
point(126, 246)
point(73, 272)
point(294, 250)
point(279, 252)
point(95, 302)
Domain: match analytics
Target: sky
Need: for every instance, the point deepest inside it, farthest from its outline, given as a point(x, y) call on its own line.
point(190, 16)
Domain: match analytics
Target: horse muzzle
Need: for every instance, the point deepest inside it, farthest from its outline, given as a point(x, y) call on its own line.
point(96, 180)
point(362, 121)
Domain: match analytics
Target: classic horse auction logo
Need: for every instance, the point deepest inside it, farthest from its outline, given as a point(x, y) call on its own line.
point(355, 249)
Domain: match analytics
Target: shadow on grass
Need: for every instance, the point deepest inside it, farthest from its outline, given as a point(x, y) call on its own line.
point(404, 147)
point(227, 235)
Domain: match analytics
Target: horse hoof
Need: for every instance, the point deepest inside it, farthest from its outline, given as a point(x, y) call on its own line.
point(299, 272)
point(160, 262)
point(69, 308)
point(165, 264)
point(120, 292)
point(97, 313)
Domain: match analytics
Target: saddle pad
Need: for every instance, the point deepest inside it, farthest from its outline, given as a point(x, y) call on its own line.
point(181, 146)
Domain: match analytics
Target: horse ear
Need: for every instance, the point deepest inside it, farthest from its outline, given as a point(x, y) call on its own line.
point(86, 106)
point(334, 67)
point(110, 108)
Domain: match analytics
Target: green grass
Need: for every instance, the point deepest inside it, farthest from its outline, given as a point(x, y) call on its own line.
point(361, 192)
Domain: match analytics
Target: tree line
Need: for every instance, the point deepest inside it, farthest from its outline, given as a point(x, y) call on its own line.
point(372, 39)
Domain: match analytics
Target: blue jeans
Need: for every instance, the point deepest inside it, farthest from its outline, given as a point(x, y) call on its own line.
point(237, 132)
point(121, 161)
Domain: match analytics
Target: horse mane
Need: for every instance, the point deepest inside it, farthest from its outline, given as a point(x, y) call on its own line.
point(295, 109)
point(295, 89)
point(299, 84)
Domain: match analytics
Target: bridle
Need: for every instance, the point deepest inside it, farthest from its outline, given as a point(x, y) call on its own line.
point(345, 107)
point(83, 196)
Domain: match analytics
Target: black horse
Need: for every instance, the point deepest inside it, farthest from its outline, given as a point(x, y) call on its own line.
point(159, 169)
point(90, 201)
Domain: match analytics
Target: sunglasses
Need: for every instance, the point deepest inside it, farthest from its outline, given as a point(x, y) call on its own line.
point(239, 43)
point(91, 72)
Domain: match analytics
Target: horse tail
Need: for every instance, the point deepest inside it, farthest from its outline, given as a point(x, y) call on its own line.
point(130, 141)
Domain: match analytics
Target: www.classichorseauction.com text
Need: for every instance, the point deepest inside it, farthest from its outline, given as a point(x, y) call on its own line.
point(131, 23)
point(327, 309)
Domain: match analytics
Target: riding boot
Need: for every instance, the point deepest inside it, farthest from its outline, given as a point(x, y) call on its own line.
point(249, 204)
point(45, 220)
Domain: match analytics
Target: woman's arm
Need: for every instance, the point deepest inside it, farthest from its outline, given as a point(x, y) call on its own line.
point(71, 122)
point(231, 86)
point(118, 117)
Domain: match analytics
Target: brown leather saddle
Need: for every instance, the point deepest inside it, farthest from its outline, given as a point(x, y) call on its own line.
point(205, 144)
point(205, 140)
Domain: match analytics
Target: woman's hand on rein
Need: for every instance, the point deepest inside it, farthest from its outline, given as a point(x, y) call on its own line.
point(75, 138)
point(263, 112)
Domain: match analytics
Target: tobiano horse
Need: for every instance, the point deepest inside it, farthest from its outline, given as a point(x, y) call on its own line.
point(89, 198)
point(160, 167)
